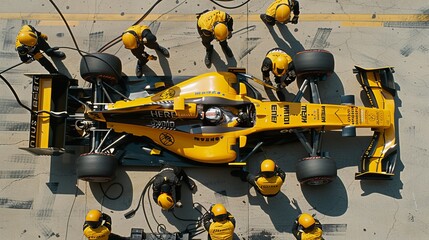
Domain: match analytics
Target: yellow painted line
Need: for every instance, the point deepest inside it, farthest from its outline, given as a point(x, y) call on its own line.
point(192, 18)
point(57, 23)
point(362, 24)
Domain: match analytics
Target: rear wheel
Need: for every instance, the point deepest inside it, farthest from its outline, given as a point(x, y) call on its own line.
point(102, 66)
point(316, 171)
point(96, 167)
point(314, 62)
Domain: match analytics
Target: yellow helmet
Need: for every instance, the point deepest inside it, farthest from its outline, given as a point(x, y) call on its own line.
point(93, 218)
point(219, 212)
point(306, 220)
point(165, 201)
point(27, 38)
point(280, 64)
point(220, 31)
point(268, 165)
point(130, 40)
point(282, 13)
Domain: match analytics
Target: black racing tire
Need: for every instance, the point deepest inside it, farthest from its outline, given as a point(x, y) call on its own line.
point(315, 62)
point(101, 65)
point(316, 171)
point(96, 167)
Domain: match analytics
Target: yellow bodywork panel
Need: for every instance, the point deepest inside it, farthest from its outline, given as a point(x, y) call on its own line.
point(384, 139)
point(43, 121)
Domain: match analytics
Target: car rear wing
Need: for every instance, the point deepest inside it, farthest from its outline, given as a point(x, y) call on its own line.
point(48, 121)
point(379, 159)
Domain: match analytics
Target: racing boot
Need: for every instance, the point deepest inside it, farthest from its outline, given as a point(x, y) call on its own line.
point(208, 58)
point(53, 52)
point(139, 69)
point(164, 51)
point(191, 184)
point(262, 16)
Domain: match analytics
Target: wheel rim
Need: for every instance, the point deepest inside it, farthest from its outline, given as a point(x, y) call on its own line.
point(96, 179)
point(316, 181)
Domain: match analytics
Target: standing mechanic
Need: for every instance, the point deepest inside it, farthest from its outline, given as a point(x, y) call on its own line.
point(307, 227)
point(29, 42)
point(281, 65)
point(268, 181)
point(168, 183)
point(98, 226)
point(279, 11)
point(222, 225)
point(136, 38)
point(217, 25)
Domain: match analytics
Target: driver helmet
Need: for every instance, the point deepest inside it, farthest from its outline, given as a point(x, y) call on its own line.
point(214, 115)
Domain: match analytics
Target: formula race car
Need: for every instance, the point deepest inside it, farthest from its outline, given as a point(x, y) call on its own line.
point(213, 118)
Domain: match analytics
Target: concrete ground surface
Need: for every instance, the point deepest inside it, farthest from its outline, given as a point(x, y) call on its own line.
point(40, 197)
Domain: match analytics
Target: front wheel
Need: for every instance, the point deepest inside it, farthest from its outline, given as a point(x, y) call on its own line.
point(96, 167)
point(314, 62)
point(316, 171)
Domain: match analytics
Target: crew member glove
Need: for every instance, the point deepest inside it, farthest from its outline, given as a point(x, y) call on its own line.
point(44, 36)
point(294, 20)
point(229, 35)
point(29, 60)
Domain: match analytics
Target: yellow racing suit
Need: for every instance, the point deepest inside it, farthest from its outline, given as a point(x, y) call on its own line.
point(220, 230)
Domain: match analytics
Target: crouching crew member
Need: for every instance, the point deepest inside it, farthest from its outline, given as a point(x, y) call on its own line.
point(168, 183)
point(268, 181)
point(98, 226)
point(279, 11)
point(217, 25)
point(29, 43)
point(136, 38)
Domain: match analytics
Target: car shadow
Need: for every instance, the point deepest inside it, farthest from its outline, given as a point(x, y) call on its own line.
point(278, 208)
point(119, 189)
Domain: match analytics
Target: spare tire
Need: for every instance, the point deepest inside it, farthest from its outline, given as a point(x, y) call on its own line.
point(96, 167)
point(314, 62)
point(101, 65)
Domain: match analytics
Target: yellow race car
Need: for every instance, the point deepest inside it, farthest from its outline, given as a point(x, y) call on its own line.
point(213, 118)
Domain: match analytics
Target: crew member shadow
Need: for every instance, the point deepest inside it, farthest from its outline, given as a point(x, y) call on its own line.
point(287, 42)
point(278, 208)
point(61, 67)
point(220, 64)
point(116, 194)
point(282, 94)
point(147, 71)
point(165, 65)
